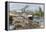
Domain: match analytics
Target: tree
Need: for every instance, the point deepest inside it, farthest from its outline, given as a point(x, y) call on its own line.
point(39, 13)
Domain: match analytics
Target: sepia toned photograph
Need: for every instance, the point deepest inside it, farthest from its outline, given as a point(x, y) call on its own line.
point(25, 15)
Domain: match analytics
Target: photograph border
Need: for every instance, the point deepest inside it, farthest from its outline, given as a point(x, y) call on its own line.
point(6, 11)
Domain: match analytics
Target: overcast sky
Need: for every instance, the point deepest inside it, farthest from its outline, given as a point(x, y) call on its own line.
point(17, 6)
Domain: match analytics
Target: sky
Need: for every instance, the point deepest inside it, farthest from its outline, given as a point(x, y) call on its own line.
point(18, 6)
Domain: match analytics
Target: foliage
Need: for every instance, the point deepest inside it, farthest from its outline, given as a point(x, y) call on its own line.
point(39, 13)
